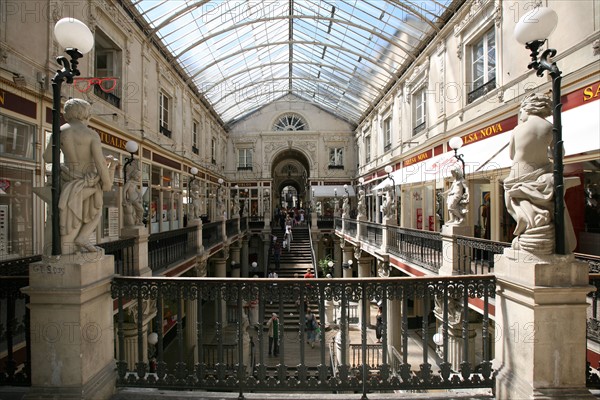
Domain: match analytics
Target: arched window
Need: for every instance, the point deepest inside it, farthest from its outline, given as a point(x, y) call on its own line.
point(290, 122)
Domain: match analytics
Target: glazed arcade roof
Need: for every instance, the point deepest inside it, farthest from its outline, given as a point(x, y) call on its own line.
point(341, 55)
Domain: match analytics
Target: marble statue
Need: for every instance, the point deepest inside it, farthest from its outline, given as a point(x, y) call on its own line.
point(236, 206)
point(529, 187)
point(388, 202)
point(195, 195)
point(133, 212)
point(336, 207)
point(458, 198)
point(346, 207)
point(319, 208)
point(266, 203)
point(362, 208)
point(85, 173)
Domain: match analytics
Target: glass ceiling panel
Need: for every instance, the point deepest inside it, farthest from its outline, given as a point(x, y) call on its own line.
point(338, 54)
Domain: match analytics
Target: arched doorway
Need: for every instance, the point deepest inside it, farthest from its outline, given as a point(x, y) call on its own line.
point(291, 173)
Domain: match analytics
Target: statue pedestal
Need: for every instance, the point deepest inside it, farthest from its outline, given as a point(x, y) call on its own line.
point(540, 326)
point(450, 248)
point(72, 336)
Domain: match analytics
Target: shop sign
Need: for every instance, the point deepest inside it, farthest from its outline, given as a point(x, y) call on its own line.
point(591, 92)
point(21, 105)
point(111, 140)
point(418, 158)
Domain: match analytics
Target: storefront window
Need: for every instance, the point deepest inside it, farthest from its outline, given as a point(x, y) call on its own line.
point(16, 213)
point(16, 138)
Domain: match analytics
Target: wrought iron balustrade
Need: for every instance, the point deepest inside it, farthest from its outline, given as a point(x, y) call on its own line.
point(372, 234)
point(227, 360)
point(350, 227)
point(256, 222)
point(17, 266)
point(15, 334)
point(476, 256)
point(212, 234)
point(231, 227)
point(167, 248)
point(338, 224)
point(123, 252)
point(324, 222)
point(423, 248)
point(593, 333)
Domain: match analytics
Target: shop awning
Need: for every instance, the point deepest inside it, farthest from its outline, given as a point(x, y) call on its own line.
point(580, 135)
point(330, 191)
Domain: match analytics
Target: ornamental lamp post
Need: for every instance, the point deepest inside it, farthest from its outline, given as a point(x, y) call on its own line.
point(455, 144)
point(77, 39)
point(132, 147)
point(532, 30)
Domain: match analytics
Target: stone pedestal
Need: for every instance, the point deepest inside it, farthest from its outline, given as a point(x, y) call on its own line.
point(360, 226)
point(72, 336)
point(541, 326)
point(450, 248)
point(198, 224)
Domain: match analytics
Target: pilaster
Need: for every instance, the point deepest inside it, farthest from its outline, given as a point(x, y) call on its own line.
point(450, 248)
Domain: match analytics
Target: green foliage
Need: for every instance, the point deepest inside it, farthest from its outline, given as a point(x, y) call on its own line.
point(324, 266)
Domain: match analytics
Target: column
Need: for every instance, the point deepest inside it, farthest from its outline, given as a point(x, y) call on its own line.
point(190, 334)
point(496, 202)
point(70, 299)
point(364, 271)
point(347, 266)
point(394, 323)
point(244, 258)
point(541, 326)
point(220, 271)
point(337, 256)
point(235, 260)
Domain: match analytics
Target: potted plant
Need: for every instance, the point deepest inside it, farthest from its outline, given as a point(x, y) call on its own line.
point(326, 266)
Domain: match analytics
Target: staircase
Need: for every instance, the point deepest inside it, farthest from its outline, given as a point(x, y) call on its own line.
point(294, 264)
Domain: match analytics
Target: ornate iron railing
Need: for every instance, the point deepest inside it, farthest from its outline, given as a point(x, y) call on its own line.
point(324, 222)
point(15, 333)
point(17, 266)
point(593, 334)
point(212, 234)
point(423, 248)
point(350, 227)
point(481, 90)
point(231, 227)
point(123, 251)
point(591, 260)
point(256, 222)
point(476, 256)
point(372, 234)
point(298, 366)
point(168, 248)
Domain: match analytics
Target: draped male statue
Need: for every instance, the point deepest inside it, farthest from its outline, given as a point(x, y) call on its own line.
point(85, 174)
point(529, 187)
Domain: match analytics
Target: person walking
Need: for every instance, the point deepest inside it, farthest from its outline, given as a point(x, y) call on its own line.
point(277, 255)
point(311, 326)
point(378, 324)
point(273, 327)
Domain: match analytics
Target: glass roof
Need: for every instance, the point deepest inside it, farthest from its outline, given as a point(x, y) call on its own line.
point(341, 55)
